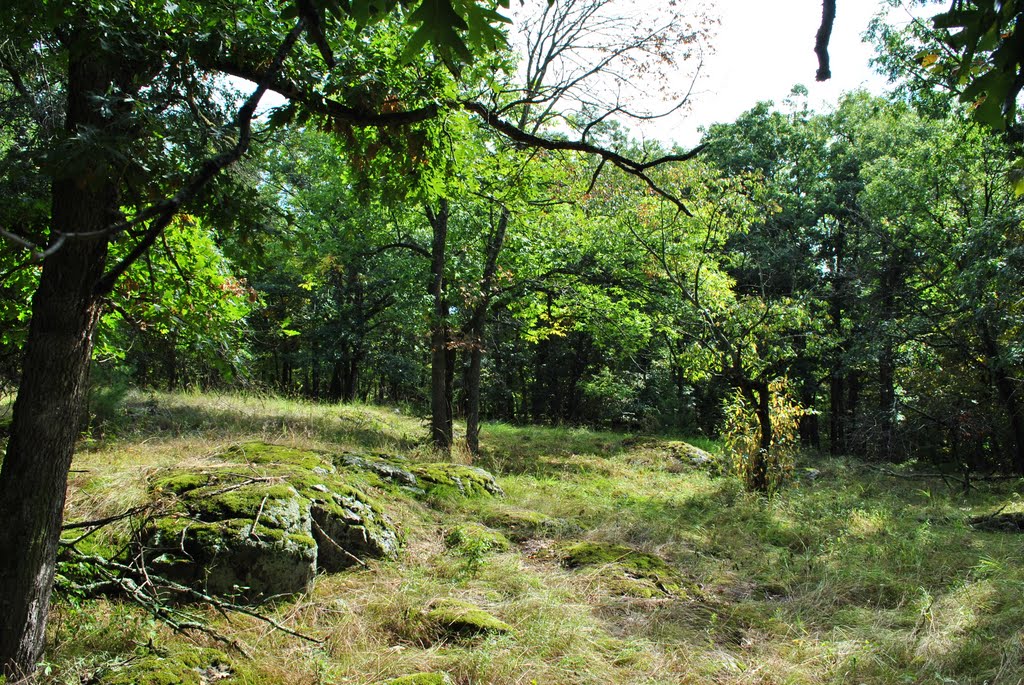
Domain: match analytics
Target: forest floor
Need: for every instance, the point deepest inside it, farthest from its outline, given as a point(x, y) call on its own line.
point(852, 576)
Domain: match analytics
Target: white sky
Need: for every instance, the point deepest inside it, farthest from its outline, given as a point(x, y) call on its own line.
point(763, 48)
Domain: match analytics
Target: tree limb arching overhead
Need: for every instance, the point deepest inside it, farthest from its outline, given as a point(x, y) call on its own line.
point(828, 17)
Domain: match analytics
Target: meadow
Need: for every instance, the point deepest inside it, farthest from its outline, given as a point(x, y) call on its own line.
point(848, 575)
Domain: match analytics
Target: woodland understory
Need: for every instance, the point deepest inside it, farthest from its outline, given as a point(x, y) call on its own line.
point(781, 371)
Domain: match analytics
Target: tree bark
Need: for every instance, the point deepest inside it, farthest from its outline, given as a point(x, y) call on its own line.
point(1008, 395)
point(51, 396)
point(477, 325)
point(440, 412)
point(759, 395)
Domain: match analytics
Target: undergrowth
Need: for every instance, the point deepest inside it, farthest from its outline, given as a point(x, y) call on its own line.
point(849, 577)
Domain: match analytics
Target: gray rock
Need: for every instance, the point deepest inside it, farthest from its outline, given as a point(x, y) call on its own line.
point(263, 532)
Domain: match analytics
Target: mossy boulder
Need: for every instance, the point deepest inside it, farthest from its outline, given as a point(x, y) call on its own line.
point(624, 570)
point(262, 453)
point(462, 619)
point(469, 481)
point(190, 667)
point(390, 468)
point(421, 679)
point(696, 457)
point(521, 524)
point(232, 556)
point(473, 536)
point(265, 528)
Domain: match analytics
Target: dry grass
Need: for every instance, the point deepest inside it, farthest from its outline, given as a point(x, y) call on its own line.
point(852, 578)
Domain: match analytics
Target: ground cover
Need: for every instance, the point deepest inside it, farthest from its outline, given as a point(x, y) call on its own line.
point(607, 559)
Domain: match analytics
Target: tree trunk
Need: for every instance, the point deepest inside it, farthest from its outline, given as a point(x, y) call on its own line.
point(334, 388)
point(891, 280)
point(759, 396)
point(854, 441)
point(440, 423)
point(473, 390)
point(350, 387)
point(449, 383)
point(1008, 396)
point(51, 396)
point(476, 332)
point(886, 400)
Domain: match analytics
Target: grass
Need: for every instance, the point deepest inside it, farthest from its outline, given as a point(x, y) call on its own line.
point(855, 577)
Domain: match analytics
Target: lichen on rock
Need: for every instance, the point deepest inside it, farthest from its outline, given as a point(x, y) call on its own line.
point(385, 467)
point(624, 570)
point(264, 529)
point(195, 666)
point(469, 481)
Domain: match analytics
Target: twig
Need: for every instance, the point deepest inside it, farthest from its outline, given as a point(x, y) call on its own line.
point(104, 521)
point(256, 521)
point(155, 606)
point(337, 546)
point(97, 524)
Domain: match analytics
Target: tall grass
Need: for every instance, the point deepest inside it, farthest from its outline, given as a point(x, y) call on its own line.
point(853, 577)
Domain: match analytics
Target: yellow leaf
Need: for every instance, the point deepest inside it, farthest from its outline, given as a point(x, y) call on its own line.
point(929, 59)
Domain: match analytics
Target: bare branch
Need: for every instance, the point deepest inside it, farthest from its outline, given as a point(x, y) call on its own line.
point(828, 17)
point(165, 211)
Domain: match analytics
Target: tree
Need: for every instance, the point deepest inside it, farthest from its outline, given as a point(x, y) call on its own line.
point(127, 69)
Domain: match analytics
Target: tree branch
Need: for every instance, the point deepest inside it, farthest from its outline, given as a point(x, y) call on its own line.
point(828, 17)
point(165, 211)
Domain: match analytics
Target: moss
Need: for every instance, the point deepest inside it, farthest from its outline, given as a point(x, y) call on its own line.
point(265, 530)
point(421, 679)
point(232, 556)
point(626, 570)
point(520, 524)
point(180, 483)
point(456, 617)
point(469, 481)
point(476, 537)
point(187, 667)
point(265, 453)
point(381, 467)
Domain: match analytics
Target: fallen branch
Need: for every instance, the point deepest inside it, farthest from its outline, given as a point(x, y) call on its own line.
point(149, 594)
point(965, 483)
point(336, 546)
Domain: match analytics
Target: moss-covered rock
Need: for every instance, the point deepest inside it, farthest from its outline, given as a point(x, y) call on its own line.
point(520, 524)
point(349, 525)
point(262, 453)
point(687, 456)
point(476, 537)
point(1002, 521)
point(265, 529)
point(624, 570)
point(421, 679)
point(387, 467)
point(232, 557)
point(188, 667)
point(469, 481)
point(457, 618)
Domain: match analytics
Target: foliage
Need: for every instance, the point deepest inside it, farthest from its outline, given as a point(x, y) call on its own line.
point(741, 436)
point(986, 64)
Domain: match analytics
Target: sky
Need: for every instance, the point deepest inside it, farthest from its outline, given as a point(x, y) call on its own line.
point(762, 49)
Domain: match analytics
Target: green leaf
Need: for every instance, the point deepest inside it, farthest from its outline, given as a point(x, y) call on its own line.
point(440, 25)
